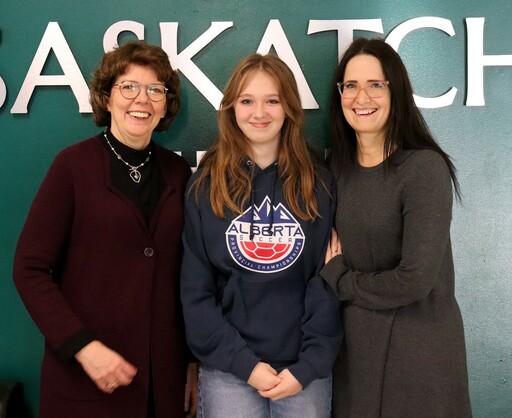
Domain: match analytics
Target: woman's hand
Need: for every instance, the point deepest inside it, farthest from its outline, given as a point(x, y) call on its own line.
point(263, 377)
point(288, 386)
point(334, 247)
point(191, 389)
point(106, 368)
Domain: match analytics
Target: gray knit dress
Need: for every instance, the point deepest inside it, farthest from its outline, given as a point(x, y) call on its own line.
point(404, 351)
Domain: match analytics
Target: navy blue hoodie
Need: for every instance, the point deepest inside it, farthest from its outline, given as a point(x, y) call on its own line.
point(250, 287)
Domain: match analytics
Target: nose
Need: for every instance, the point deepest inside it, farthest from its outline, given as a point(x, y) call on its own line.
point(362, 98)
point(259, 110)
point(142, 97)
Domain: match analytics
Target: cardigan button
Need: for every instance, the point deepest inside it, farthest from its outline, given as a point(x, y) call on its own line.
point(149, 252)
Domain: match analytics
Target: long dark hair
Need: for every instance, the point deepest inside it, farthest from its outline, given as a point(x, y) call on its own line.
point(405, 129)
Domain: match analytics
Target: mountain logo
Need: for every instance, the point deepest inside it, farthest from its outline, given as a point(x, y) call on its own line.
point(273, 247)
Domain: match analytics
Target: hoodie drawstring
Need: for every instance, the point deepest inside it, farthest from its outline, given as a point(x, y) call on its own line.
point(271, 215)
point(250, 164)
point(251, 203)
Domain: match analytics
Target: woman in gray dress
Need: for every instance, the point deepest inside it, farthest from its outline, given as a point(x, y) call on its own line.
point(404, 351)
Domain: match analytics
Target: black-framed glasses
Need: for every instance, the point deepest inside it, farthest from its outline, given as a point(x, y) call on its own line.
point(130, 90)
point(373, 89)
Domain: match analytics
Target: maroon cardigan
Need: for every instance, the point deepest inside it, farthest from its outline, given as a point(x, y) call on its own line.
point(87, 260)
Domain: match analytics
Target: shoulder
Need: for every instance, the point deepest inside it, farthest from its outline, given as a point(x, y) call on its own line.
point(85, 150)
point(421, 162)
point(196, 174)
point(322, 172)
point(426, 173)
point(91, 144)
point(174, 167)
point(169, 157)
point(193, 181)
point(197, 196)
point(72, 162)
point(324, 177)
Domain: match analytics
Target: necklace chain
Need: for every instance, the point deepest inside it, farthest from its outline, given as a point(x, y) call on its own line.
point(134, 170)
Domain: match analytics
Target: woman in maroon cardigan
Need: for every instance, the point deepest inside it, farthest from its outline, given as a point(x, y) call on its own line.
point(98, 259)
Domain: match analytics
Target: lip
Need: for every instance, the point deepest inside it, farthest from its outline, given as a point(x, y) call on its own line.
point(365, 111)
point(139, 114)
point(260, 125)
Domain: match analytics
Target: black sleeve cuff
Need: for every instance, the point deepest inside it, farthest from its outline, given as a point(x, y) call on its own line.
point(74, 344)
point(189, 356)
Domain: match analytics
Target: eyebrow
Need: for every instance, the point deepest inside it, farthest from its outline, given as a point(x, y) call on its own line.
point(266, 95)
point(144, 84)
point(371, 80)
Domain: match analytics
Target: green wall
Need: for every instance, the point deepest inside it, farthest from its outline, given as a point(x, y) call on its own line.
point(477, 135)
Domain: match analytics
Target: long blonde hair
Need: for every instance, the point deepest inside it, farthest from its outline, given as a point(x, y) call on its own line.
point(223, 163)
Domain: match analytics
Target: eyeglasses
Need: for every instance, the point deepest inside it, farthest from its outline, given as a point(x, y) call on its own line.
point(373, 89)
point(131, 89)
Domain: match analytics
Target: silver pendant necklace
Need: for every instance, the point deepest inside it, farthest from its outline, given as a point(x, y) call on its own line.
point(134, 170)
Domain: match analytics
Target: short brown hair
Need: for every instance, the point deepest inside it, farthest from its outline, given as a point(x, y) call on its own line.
point(116, 62)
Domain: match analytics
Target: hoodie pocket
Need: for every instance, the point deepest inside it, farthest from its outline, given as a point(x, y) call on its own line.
point(267, 315)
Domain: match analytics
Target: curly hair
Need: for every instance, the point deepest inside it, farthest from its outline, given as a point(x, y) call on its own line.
point(116, 62)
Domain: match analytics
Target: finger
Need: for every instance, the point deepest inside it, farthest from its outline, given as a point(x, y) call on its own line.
point(264, 393)
point(186, 405)
point(126, 373)
point(193, 408)
point(268, 386)
point(123, 378)
point(130, 369)
point(328, 252)
point(334, 237)
point(274, 393)
point(109, 387)
point(332, 246)
point(102, 384)
point(271, 370)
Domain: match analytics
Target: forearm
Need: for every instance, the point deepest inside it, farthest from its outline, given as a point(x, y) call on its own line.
point(410, 281)
point(322, 333)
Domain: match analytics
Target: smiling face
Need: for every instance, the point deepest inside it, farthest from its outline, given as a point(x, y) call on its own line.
point(367, 116)
point(134, 120)
point(259, 112)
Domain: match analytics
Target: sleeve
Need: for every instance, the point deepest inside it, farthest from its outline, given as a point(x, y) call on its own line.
point(212, 339)
point(66, 352)
point(426, 213)
point(322, 333)
point(39, 255)
point(321, 324)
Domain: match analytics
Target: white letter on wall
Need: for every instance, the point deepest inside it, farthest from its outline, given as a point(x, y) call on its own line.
point(53, 38)
point(345, 29)
point(274, 36)
point(112, 33)
point(183, 60)
point(395, 37)
point(477, 60)
point(3, 92)
point(3, 89)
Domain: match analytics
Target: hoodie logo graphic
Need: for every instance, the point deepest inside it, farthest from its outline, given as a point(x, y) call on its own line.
point(271, 249)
